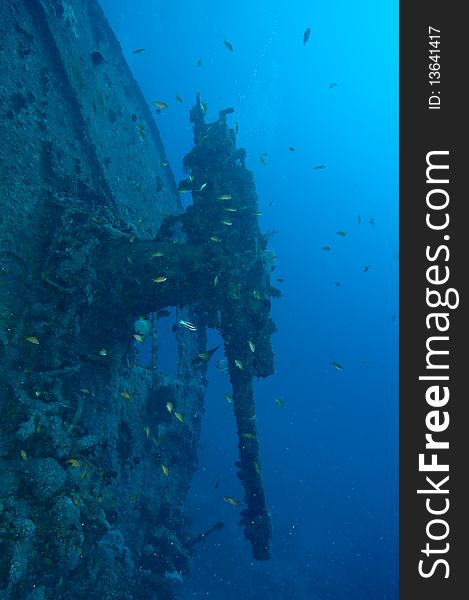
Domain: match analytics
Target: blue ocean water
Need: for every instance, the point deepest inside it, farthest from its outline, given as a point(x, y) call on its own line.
point(330, 453)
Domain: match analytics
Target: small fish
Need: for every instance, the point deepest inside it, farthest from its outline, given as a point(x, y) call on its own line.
point(202, 187)
point(84, 475)
point(336, 365)
point(178, 99)
point(264, 154)
point(365, 361)
point(258, 213)
point(248, 436)
point(306, 35)
point(125, 394)
point(236, 127)
point(164, 163)
point(326, 248)
point(217, 485)
point(32, 339)
point(84, 390)
point(206, 356)
point(337, 283)
point(216, 239)
point(359, 219)
point(257, 467)
point(256, 294)
point(231, 500)
point(160, 279)
point(239, 364)
point(226, 222)
point(130, 260)
point(160, 104)
point(262, 160)
point(140, 129)
point(74, 462)
point(199, 62)
point(280, 279)
point(165, 469)
point(372, 222)
point(103, 352)
point(333, 85)
point(341, 233)
point(138, 50)
point(147, 430)
point(139, 338)
point(187, 325)
point(138, 186)
point(215, 281)
point(228, 45)
point(279, 402)
point(24, 455)
point(169, 407)
point(157, 254)
point(252, 345)
point(204, 107)
point(292, 149)
point(230, 209)
point(319, 167)
point(366, 268)
point(228, 398)
point(179, 416)
point(224, 197)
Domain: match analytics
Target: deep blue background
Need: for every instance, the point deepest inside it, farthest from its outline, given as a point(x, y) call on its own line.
point(330, 455)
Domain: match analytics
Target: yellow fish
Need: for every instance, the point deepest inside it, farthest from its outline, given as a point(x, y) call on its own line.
point(74, 462)
point(165, 470)
point(239, 364)
point(103, 352)
point(125, 394)
point(179, 416)
point(252, 346)
point(147, 430)
point(169, 407)
point(139, 338)
point(248, 436)
point(156, 254)
point(224, 197)
point(226, 222)
point(279, 402)
point(159, 104)
point(215, 238)
point(231, 500)
point(159, 279)
point(32, 339)
point(24, 455)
